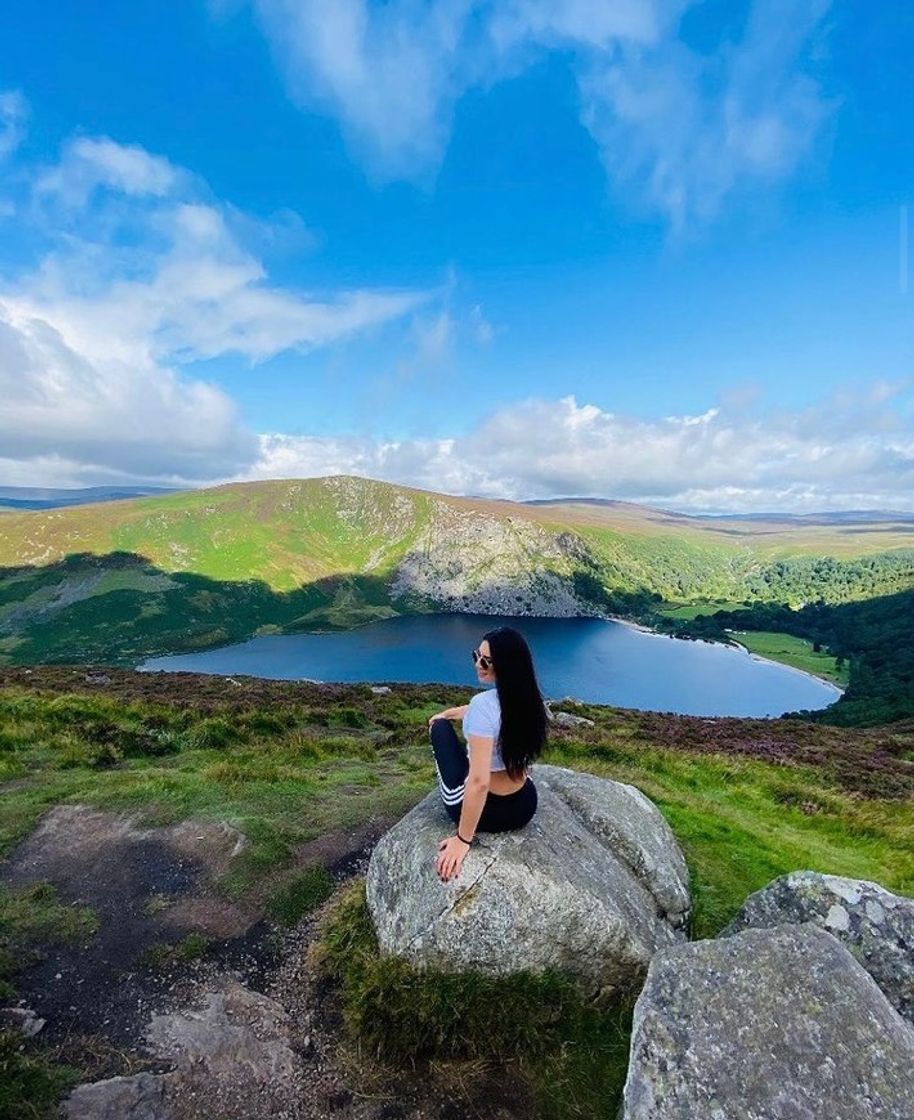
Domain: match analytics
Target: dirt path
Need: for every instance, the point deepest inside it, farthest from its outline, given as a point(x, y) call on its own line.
point(241, 1032)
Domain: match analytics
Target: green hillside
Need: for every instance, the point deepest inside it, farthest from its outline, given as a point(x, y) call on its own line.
point(283, 533)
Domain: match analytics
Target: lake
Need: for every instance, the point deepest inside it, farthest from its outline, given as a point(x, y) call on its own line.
point(595, 660)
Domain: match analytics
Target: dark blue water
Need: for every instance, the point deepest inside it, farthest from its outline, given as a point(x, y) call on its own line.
point(591, 659)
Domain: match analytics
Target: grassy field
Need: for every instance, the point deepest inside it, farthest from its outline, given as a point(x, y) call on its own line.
point(687, 611)
point(792, 651)
point(786, 648)
point(286, 763)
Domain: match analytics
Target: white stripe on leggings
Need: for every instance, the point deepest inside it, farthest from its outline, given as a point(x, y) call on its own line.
point(451, 791)
point(446, 788)
point(451, 796)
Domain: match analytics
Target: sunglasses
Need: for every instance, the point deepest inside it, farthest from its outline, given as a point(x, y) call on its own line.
point(481, 660)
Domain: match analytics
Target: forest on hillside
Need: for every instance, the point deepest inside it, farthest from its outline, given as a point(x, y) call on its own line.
point(872, 636)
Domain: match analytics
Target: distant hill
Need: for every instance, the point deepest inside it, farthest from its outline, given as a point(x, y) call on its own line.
point(826, 517)
point(34, 497)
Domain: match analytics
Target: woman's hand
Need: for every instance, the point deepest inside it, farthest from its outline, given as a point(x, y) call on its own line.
point(446, 714)
point(451, 854)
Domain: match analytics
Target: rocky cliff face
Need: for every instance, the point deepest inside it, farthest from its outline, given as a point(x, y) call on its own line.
point(467, 560)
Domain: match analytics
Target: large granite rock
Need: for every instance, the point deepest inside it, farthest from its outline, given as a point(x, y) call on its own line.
point(769, 1024)
point(594, 884)
point(876, 926)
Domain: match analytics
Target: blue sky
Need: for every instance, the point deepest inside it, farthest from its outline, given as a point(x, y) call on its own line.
point(643, 249)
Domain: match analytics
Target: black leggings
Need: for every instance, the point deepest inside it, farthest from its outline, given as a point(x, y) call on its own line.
point(501, 811)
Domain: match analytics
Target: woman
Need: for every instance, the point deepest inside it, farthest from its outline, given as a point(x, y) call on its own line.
point(505, 729)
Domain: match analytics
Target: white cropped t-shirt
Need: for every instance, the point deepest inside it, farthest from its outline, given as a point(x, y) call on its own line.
point(483, 717)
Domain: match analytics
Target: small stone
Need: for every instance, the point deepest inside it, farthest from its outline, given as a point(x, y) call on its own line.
point(22, 1019)
point(874, 911)
point(837, 918)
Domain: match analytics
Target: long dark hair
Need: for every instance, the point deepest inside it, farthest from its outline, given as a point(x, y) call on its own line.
point(523, 714)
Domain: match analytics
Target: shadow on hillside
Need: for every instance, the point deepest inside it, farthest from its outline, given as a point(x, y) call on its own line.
point(119, 608)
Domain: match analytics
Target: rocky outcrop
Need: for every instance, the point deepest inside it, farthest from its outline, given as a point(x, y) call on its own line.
point(232, 1058)
point(140, 1097)
point(769, 1024)
point(876, 926)
point(595, 884)
point(468, 559)
point(567, 719)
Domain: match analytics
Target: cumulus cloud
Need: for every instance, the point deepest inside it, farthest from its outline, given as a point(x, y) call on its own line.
point(146, 272)
point(852, 450)
point(678, 128)
point(125, 415)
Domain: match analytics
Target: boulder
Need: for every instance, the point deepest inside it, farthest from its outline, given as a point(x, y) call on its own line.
point(140, 1097)
point(769, 1024)
point(566, 719)
point(876, 926)
point(593, 885)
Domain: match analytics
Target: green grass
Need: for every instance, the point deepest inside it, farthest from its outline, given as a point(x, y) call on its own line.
point(32, 917)
point(790, 650)
point(302, 894)
point(164, 955)
point(30, 1086)
point(286, 763)
point(687, 611)
point(571, 1053)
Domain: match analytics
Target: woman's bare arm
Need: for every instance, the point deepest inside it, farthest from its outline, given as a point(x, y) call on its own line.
point(451, 713)
point(478, 780)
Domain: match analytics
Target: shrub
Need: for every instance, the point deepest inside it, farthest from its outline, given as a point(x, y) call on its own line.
point(214, 733)
point(347, 717)
point(266, 723)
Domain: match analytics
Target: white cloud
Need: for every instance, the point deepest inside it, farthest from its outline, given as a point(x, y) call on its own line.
point(13, 116)
point(690, 129)
point(594, 23)
point(391, 72)
point(434, 337)
point(126, 416)
point(146, 272)
point(89, 162)
point(482, 330)
point(853, 450)
point(677, 129)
